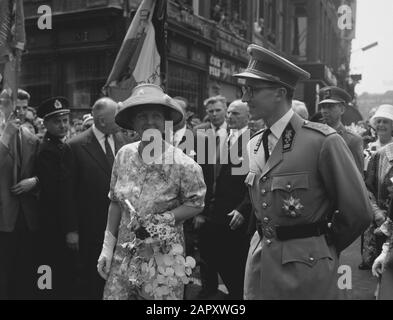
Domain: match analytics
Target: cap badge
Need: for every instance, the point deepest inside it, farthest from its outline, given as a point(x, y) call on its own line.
point(58, 104)
point(327, 94)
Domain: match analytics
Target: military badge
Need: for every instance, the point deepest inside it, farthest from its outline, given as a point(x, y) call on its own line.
point(292, 207)
point(287, 138)
point(326, 94)
point(58, 104)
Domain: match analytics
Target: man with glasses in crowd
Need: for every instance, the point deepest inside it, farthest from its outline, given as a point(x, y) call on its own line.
point(300, 174)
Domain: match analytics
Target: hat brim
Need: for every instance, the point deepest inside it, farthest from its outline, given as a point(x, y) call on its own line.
point(250, 75)
point(332, 101)
point(384, 115)
point(61, 112)
point(124, 117)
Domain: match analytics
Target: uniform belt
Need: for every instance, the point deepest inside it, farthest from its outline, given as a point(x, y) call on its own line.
point(284, 233)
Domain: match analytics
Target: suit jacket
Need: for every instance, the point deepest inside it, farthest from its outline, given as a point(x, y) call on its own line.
point(89, 176)
point(354, 143)
point(310, 173)
point(52, 157)
point(10, 205)
point(230, 192)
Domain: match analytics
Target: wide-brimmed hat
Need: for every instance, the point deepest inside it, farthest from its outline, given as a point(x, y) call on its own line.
point(147, 95)
point(383, 111)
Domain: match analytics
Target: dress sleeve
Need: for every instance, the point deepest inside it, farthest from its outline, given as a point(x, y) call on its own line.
point(116, 166)
point(192, 186)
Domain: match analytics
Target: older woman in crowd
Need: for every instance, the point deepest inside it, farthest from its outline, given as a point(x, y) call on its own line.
point(378, 180)
point(167, 186)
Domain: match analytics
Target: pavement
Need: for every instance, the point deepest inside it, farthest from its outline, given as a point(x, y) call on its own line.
point(362, 283)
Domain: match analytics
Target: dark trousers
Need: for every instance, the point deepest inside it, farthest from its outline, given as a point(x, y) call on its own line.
point(18, 272)
point(225, 252)
point(93, 284)
point(63, 264)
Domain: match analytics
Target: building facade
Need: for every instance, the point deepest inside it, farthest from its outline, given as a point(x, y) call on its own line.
point(207, 42)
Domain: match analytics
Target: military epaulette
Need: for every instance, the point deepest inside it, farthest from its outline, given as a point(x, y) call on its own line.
point(320, 127)
point(257, 133)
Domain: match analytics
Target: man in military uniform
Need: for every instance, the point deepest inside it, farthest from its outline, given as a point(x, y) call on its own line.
point(300, 174)
point(59, 237)
point(332, 107)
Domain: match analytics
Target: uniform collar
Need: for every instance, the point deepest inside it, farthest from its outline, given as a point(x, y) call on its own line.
point(279, 126)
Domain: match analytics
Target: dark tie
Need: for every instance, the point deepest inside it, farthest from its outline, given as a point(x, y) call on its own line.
point(18, 155)
point(265, 143)
point(108, 151)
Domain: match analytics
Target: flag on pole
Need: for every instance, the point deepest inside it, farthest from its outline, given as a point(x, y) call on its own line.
point(141, 58)
point(12, 42)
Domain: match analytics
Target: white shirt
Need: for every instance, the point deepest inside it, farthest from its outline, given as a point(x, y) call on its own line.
point(257, 161)
point(234, 134)
point(101, 139)
point(221, 131)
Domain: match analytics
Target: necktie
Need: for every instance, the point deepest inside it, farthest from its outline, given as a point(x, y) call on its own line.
point(18, 155)
point(265, 137)
point(108, 151)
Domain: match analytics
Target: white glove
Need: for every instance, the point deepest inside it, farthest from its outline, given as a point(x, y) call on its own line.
point(105, 259)
point(379, 263)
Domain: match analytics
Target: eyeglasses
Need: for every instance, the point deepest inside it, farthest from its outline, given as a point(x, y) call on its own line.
point(250, 89)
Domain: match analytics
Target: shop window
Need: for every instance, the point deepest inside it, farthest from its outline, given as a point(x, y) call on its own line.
point(260, 18)
point(187, 83)
point(84, 78)
point(299, 33)
point(271, 21)
point(231, 15)
point(36, 79)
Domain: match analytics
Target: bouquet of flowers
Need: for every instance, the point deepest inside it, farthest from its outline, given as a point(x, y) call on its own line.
point(355, 128)
point(157, 266)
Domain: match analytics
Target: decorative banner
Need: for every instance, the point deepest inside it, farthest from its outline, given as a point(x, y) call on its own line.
point(12, 42)
point(141, 56)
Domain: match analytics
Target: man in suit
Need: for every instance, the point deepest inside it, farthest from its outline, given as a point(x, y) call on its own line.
point(58, 226)
point(18, 206)
point(224, 241)
point(332, 107)
point(93, 153)
point(216, 108)
point(302, 183)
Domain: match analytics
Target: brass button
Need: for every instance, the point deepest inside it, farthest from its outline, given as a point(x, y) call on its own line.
point(264, 205)
point(268, 242)
point(289, 186)
point(311, 259)
point(263, 191)
point(264, 179)
point(266, 219)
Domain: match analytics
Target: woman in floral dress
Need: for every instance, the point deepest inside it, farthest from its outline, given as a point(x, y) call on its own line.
point(383, 264)
point(377, 180)
point(166, 186)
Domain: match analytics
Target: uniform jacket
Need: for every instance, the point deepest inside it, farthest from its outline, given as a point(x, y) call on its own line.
point(310, 169)
point(89, 177)
point(51, 170)
point(354, 143)
point(10, 205)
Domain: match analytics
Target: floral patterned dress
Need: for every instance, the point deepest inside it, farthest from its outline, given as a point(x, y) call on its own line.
point(378, 180)
point(151, 188)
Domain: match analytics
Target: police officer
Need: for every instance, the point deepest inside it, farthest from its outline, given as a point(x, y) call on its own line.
point(300, 174)
point(59, 237)
point(332, 106)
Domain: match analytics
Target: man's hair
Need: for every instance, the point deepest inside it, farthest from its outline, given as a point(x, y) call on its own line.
point(23, 95)
point(215, 99)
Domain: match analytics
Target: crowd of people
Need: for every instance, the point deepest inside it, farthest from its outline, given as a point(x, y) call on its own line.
point(82, 198)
